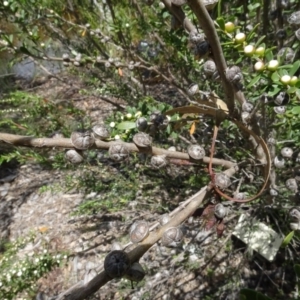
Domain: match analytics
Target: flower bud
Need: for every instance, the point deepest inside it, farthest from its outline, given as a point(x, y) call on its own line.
point(293, 80)
point(273, 65)
point(285, 79)
point(260, 51)
point(240, 38)
point(259, 66)
point(249, 50)
point(161, 5)
point(229, 27)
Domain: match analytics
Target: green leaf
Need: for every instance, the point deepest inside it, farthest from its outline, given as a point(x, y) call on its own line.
point(219, 8)
point(274, 92)
point(252, 33)
point(292, 90)
point(126, 125)
point(285, 67)
point(25, 50)
point(295, 68)
point(296, 110)
point(165, 14)
point(269, 54)
point(254, 81)
point(258, 43)
point(249, 294)
point(221, 23)
point(262, 297)
point(253, 6)
point(287, 239)
point(240, 59)
point(297, 270)
point(169, 129)
point(275, 76)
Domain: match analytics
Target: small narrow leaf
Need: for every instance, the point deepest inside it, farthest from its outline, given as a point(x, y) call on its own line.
point(249, 294)
point(253, 6)
point(274, 92)
point(240, 59)
point(254, 81)
point(295, 68)
point(269, 54)
point(221, 23)
point(252, 33)
point(257, 44)
point(292, 90)
point(296, 110)
point(25, 50)
point(169, 129)
point(165, 15)
point(297, 270)
point(275, 76)
point(219, 8)
point(287, 239)
point(260, 296)
point(285, 67)
point(126, 125)
point(282, 72)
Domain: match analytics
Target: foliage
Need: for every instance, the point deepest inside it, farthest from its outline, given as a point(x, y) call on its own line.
point(19, 274)
point(133, 49)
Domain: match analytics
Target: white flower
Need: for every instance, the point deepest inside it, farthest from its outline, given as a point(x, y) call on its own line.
point(117, 137)
point(112, 124)
point(0, 283)
point(45, 251)
point(127, 25)
point(19, 273)
point(35, 272)
point(65, 256)
point(5, 3)
point(128, 116)
point(37, 260)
